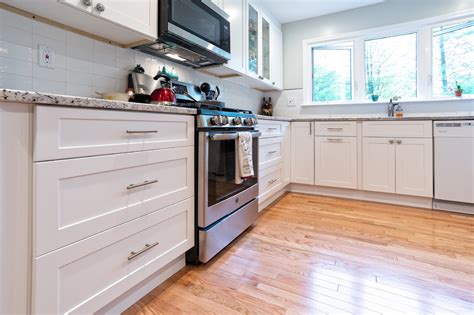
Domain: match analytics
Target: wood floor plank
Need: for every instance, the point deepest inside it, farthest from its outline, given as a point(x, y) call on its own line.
point(322, 255)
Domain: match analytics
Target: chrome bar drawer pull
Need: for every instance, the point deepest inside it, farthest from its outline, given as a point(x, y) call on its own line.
point(145, 183)
point(141, 251)
point(271, 128)
point(334, 139)
point(141, 131)
point(334, 129)
point(272, 152)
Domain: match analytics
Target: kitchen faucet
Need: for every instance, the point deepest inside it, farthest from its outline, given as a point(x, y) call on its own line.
point(391, 108)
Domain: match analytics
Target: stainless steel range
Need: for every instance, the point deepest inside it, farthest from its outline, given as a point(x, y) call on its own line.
point(225, 206)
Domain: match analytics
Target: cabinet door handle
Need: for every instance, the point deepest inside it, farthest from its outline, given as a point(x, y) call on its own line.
point(271, 128)
point(100, 7)
point(87, 3)
point(310, 128)
point(391, 141)
point(145, 183)
point(399, 141)
point(260, 77)
point(141, 131)
point(272, 152)
point(334, 139)
point(334, 129)
point(271, 181)
point(141, 251)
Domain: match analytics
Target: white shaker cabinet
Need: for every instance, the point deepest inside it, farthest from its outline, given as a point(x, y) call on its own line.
point(286, 154)
point(378, 164)
point(414, 167)
point(235, 10)
point(398, 157)
point(302, 153)
point(336, 162)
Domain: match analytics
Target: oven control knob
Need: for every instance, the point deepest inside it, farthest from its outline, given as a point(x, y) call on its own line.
point(237, 121)
point(248, 122)
point(215, 120)
point(224, 120)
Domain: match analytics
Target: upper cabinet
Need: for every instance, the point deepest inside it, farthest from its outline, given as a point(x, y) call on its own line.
point(123, 22)
point(256, 47)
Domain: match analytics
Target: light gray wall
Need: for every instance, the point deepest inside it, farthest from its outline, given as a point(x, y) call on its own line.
point(386, 13)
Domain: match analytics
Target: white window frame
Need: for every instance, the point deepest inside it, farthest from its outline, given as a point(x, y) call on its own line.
point(330, 45)
point(423, 29)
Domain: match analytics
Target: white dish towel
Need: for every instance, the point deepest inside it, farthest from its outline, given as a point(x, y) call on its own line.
point(244, 160)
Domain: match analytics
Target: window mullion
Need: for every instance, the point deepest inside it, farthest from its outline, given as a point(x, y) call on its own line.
point(359, 70)
point(424, 61)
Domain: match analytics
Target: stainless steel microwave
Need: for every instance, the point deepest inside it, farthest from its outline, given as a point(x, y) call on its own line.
point(195, 33)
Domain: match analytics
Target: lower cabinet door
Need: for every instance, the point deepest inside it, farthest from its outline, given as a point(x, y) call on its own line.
point(302, 153)
point(83, 277)
point(378, 156)
point(336, 162)
point(269, 182)
point(414, 167)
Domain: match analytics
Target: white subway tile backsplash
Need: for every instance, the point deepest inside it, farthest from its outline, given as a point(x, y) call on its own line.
point(104, 84)
point(17, 36)
point(16, 82)
point(48, 86)
point(50, 31)
point(76, 77)
point(56, 74)
point(104, 70)
point(14, 51)
point(80, 90)
point(104, 54)
point(79, 47)
point(125, 59)
point(15, 66)
point(78, 65)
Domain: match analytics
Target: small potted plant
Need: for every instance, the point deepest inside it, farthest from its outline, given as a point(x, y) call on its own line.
point(458, 90)
point(374, 97)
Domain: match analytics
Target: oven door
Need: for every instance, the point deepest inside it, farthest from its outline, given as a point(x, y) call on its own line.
point(219, 194)
point(199, 22)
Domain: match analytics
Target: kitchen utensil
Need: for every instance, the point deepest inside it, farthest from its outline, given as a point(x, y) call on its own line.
point(165, 93)
point(114, 96)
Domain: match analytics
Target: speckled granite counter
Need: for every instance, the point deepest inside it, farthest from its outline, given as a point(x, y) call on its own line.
point(322, 118)
point(87, 102)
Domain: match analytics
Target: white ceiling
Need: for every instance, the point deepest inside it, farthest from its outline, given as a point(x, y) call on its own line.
point(293, 10)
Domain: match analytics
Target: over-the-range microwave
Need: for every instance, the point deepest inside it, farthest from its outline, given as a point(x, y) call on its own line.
point(195, 33)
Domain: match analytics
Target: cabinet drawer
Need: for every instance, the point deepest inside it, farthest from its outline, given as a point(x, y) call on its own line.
point(269, 182)
point(338, 128)
point(77, 198)
point(71, 132)
point(84, 277)
point(271, 128)
point(397, 129)
point(270, 152)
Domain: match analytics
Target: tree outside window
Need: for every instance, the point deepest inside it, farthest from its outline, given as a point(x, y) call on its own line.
point(391, 67)
point(453, 58)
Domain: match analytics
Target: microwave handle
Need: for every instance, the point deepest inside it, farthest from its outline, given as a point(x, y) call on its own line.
point(230, 136)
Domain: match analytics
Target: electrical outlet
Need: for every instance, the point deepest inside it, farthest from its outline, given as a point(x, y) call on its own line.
point(46, 56)
point(291, 101)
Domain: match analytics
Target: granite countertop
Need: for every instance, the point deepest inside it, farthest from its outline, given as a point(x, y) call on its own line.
point(7, 95)
point(368, 118)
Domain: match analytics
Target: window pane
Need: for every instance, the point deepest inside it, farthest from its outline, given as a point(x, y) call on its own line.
point(332, 72)
point(453, 58)
point(390, 66)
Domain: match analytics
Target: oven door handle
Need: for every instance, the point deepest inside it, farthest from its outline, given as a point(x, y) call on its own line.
point(230, 136)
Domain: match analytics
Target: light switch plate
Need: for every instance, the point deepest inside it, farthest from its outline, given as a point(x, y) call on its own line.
point(46, 56)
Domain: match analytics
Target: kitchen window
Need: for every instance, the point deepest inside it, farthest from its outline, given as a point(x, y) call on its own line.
point(453, 58)
point(390, 67)
point(332, 73)
point(418, 61)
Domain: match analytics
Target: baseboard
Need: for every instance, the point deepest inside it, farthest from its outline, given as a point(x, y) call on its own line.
point(132, 296)
point(403, 200)
point(262, 205)
point(453, 206)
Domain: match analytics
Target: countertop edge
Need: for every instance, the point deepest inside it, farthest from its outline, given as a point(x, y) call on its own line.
point(36, 98)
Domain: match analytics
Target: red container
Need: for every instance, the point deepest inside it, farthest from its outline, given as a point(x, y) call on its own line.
point(165, 94)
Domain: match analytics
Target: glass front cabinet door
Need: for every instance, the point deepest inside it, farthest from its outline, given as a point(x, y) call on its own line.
point(253, 56)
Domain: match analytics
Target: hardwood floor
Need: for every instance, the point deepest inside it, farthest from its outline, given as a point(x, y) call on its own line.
point(310, 255)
